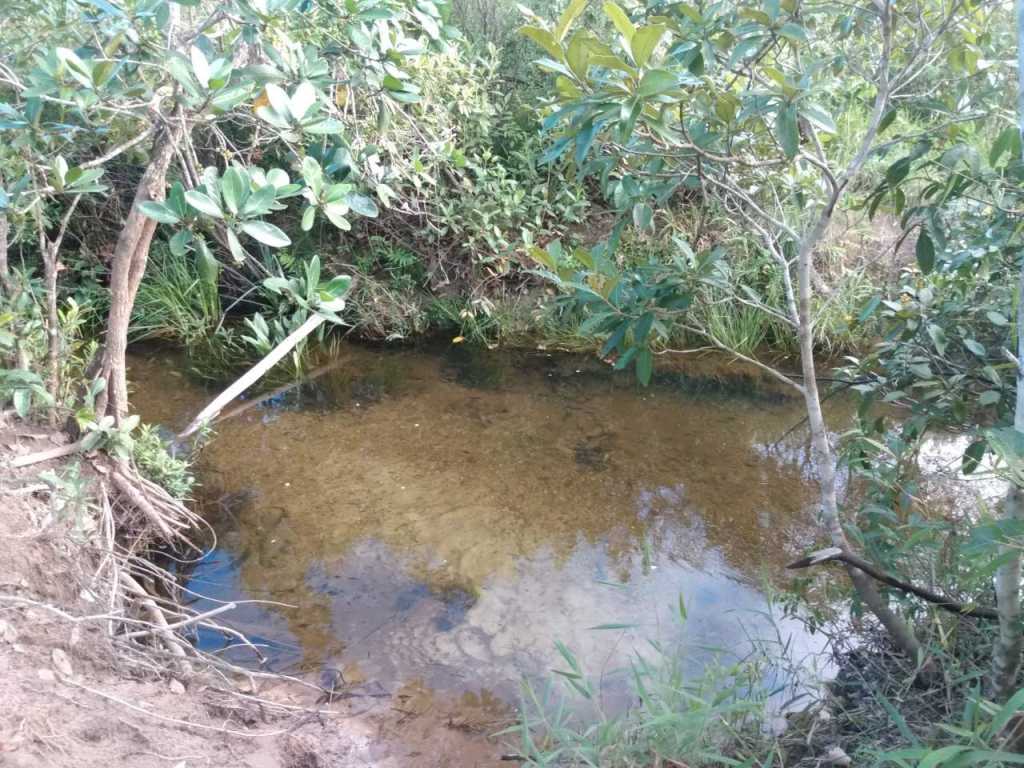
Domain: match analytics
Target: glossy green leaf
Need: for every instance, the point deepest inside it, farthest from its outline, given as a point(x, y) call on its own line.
point(656, 81)
point(266, 233)
point(818, 116)
point(203, 203)
point(569, 15)
point(786, 130)
point(208, 266)
point(925, 252)
point(363, 205)
point(234, 188)
point(545, 40)
point(158, 212)
point(644, 366)
point(621, 21)
point(644, 41)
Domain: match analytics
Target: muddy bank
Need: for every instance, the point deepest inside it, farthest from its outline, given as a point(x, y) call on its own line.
point(70, 698)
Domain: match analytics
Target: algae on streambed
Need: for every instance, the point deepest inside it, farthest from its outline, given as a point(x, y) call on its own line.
point(446, 517)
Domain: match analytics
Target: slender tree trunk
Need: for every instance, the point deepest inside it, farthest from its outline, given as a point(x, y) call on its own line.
point(824, 457)
point(1007, 648)
point(53, 337)
point(128, 265)
point(6, 285)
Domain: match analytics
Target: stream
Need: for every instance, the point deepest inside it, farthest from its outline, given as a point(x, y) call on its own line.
point(442, 516)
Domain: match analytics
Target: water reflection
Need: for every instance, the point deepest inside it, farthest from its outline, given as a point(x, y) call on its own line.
point(448, 518)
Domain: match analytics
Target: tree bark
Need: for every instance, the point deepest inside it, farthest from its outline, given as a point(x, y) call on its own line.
point(1006, 651)
point(6, 285)
point(53, 340)
point(1007, 647)
point(824, 458)
point(128, 265)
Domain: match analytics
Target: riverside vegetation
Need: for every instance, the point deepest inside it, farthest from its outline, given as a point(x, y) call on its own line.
point(248, 180)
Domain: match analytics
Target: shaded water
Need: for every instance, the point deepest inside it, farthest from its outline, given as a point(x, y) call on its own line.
point(447, 516)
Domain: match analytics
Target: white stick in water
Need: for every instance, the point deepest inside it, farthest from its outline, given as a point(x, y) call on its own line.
point(254, 374)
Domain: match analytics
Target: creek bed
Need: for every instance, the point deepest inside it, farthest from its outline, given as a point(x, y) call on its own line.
point(441, 517)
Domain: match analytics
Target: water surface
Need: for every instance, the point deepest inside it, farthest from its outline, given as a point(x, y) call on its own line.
point(446, 516)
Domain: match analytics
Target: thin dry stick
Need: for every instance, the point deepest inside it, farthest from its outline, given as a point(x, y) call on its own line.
point(179, 624)
point(173, 644)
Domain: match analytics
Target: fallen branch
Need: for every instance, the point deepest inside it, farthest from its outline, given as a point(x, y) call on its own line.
point(282, 390)
point(253, 375)
point(837, 555)
point(50, 453)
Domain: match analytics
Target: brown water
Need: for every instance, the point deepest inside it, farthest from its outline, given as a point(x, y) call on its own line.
point(447, 516)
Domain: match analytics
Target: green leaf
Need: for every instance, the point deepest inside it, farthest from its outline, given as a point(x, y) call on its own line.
point(976, 348)
point(180, 242)
point(544, 258)
point(237, 251)
point(335, 214)
point(545, 40)
point(621, 22)
point(182, 72)
point(888, 118)
point(278, 99)
point(656, 81)
point(203, 203)
point(200, 66)
point(158, 212)
point(644, 366)
point(266, 233)
point(308, 216)
point(938, 337)
point(363, 205)
point(302, 100)
point(786, 131)
point(925, 252)
point(338, 286)
point(793, 31)
point(234, 189)
point(208, 266)
point(818, 115)
point(644, 41)
point(642, 329)
point(643, 216)
point(973, 455)
point(898, 171)
point(569, 15)
point(22, 402)
point(1007, 141)
point(989, 397)
point(997, 318)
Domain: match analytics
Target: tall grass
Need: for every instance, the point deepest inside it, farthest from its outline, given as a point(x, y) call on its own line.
point(174, 302)
point(712, 719)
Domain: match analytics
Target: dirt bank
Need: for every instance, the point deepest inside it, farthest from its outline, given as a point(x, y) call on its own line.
point(71, 696)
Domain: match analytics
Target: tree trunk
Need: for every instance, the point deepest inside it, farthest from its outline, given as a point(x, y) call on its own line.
point(6, 285)
point(824, 458)
point(128, 265)
point(53, 340)
point(1007, 648)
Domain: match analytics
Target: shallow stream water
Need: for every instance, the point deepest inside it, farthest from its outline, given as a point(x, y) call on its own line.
point(445, 516)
